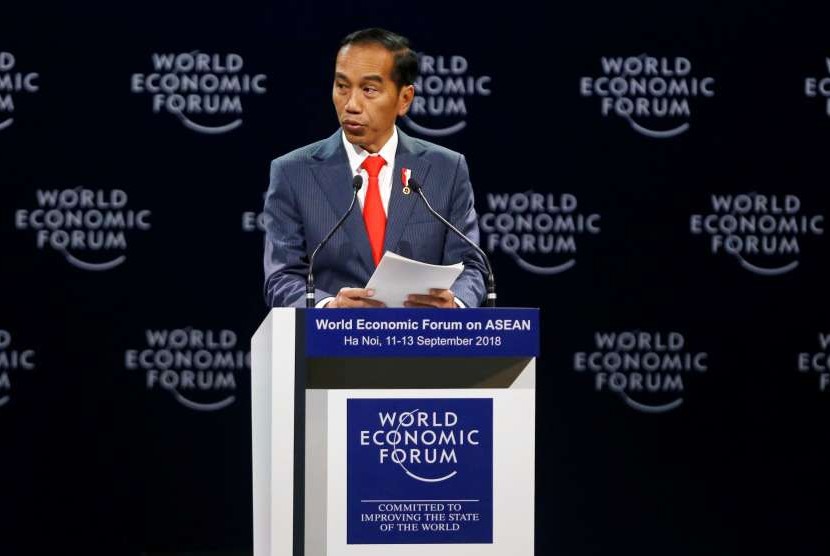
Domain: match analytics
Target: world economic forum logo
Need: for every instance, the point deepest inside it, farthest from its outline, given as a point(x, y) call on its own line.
point(539, 231)
point(443, 89)
point(816, 363)
point(13, 82)
point(649, 370)
point(89, 227)
point(765, 233)
point(420, 470)
point(204, 91)
point(12, 359)
point(819, 87)
point(198, 367)
point(654, 95)
point(424, 441)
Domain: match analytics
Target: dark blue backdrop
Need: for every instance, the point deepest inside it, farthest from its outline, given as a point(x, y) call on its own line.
point(97, 455)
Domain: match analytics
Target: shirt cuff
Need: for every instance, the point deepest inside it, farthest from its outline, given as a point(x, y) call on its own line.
point(459, 303)
point(323, 302)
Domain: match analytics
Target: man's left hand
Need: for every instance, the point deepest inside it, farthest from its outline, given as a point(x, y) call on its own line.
point(442, 299)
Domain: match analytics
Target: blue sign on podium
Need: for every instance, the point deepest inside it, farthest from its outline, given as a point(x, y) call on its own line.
point(420, 471)
point(422, 333)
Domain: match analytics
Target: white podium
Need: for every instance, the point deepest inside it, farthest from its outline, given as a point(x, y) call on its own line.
point(394, 432)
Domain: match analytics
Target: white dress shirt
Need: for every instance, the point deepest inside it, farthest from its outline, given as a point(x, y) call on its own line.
point(356, 157)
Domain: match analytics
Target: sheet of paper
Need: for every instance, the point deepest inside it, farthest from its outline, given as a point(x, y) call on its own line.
point(396, 277)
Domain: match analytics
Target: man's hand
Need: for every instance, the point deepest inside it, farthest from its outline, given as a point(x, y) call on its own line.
point(354, 297)
point(442, 299)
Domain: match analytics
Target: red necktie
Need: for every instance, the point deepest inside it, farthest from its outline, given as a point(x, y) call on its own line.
point(373, 214)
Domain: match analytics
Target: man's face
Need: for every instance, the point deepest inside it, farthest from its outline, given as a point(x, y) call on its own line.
point(365, 97)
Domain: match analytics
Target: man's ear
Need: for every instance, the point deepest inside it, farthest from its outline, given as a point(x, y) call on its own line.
point(405, 97)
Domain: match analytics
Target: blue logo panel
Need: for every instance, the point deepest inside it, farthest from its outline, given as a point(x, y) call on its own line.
point(420, 471)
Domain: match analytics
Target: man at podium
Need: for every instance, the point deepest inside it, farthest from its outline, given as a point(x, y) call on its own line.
point(310, 191)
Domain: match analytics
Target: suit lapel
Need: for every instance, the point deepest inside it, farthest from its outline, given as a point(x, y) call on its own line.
point(334, 178)
point(400, 208)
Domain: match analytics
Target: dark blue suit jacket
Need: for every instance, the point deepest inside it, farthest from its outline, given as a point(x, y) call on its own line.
point(311, 189)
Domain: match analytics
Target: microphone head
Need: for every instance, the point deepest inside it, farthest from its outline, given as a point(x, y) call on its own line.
point(357, 182)
point(414, 185)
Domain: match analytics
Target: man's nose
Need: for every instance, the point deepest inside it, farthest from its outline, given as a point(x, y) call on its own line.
point(354, 105)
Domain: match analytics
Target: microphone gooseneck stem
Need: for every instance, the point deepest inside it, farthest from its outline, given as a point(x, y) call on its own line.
point(491, 279)
point(310, 300)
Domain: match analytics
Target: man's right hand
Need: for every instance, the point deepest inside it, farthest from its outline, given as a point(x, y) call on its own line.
point(354, 297)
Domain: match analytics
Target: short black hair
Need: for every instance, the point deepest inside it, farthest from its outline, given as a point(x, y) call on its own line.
point(405, 66)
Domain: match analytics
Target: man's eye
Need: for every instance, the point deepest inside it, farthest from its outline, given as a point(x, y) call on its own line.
point(340, 86)
point(370, 90)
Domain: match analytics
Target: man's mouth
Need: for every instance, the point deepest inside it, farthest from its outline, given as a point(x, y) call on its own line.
point(352, 126)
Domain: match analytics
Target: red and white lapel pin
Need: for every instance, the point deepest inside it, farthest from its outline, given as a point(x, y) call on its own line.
point(406, 173)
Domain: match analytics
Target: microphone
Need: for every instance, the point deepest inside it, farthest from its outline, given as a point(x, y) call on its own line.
point(491, 280)
point(357, 183)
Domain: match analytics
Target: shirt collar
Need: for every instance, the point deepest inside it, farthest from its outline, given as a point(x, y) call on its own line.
point(358, 154)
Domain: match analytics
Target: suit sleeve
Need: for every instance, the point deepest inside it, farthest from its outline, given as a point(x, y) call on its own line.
point(286, 255)
point(469, 287)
